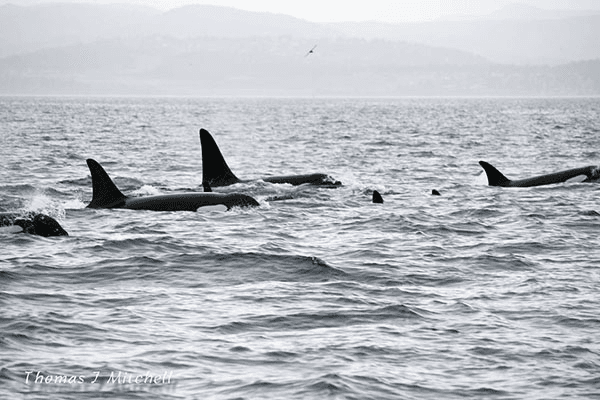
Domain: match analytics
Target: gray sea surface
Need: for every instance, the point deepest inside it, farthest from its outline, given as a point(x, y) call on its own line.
point(480, 293)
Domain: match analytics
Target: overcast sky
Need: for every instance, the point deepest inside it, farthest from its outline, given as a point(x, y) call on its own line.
point(337, 10)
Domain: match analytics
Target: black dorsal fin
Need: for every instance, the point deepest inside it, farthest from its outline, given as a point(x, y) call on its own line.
point(105, 193)
point(495, 177)
point(377, 197)
point(215, 171)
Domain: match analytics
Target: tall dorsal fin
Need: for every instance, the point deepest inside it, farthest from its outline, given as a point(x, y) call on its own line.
point(215, 171)
point(105, 193)
point(495, 177)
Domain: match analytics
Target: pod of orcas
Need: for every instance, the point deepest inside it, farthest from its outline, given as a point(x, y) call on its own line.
point(590, 173)
point(216, 172)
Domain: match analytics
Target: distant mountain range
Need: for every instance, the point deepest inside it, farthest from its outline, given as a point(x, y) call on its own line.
point(209, 50)
point(521, 41)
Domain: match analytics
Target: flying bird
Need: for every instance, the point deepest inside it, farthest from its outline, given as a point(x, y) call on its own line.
point(310, 51)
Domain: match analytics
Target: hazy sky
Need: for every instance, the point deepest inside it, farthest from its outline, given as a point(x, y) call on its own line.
point(338, 10)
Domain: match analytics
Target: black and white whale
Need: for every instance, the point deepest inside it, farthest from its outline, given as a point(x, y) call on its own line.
point(216, 172)
point(583, 174)
point(105, 194)
point(32, 223)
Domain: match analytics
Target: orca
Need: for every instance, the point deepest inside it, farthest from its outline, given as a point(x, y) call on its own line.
point(33, 223)
point(583, 174)
point(105, 194)
point(377, 197)
point(216, 172)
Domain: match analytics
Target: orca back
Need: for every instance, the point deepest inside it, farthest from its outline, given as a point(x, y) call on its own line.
point(583, 174)
point(105, 193)
point(215, 171)
point(44, 225)
point(33, 223)
point(317, 179)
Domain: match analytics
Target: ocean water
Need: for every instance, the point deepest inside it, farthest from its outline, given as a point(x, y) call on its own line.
point(480, 293)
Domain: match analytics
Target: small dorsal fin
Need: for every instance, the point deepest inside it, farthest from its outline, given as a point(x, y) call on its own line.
point(495, 177)
point(215, 171)
point(105, 193)
point(377, 197)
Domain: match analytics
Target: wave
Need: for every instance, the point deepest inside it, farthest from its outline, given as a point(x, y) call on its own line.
point(234, 268)
point(324, 319)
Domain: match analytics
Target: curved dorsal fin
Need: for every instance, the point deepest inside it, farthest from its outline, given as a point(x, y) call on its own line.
point(215, 171)
point(105, 193)
point(495, 177)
